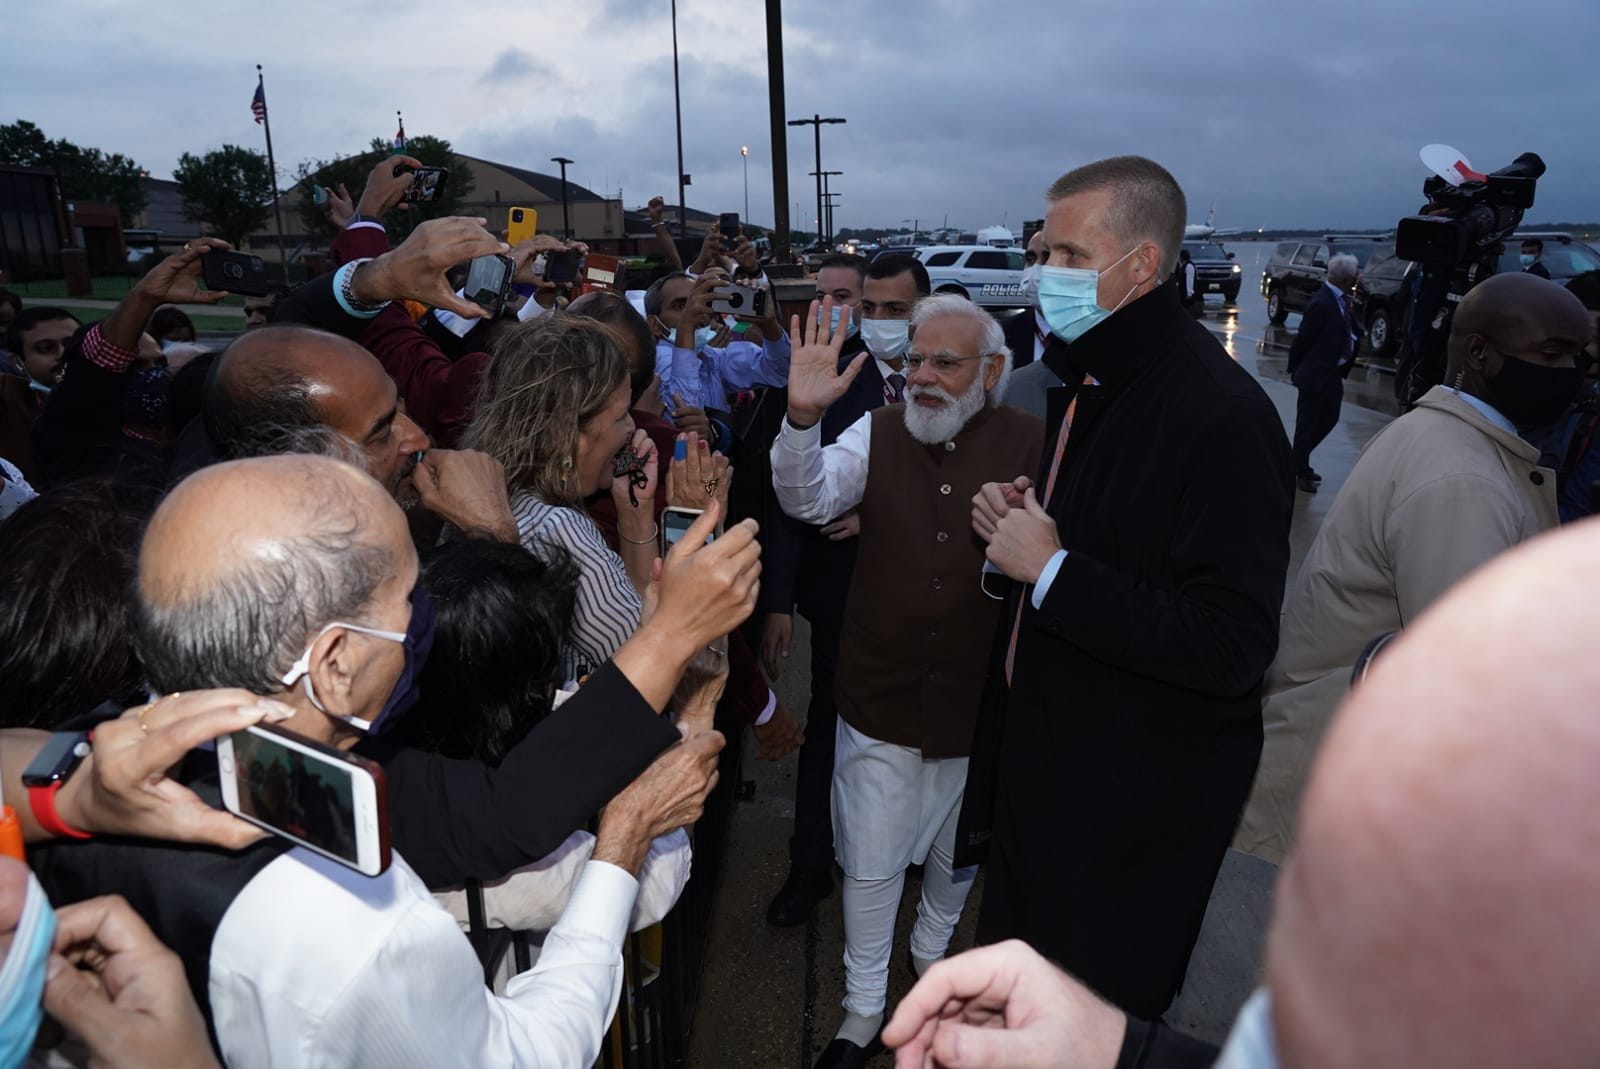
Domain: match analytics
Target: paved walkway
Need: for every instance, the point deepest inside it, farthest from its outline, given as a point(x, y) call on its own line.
point(771, 996)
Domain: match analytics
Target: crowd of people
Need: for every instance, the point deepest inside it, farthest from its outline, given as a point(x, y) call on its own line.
point(1053, 634)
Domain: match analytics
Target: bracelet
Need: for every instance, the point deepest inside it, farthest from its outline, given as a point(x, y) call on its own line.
point(344, 293)
point(654, 534)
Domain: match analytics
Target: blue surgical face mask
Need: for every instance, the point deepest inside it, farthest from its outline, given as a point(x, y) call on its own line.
point(839, 311)
point(22, 976)
point(702, 337)
point(1527, 259)
point(1069, 298)
point(1251, 1043)
point(418, 642)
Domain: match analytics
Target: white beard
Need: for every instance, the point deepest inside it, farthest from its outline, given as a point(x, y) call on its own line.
point(934, 426)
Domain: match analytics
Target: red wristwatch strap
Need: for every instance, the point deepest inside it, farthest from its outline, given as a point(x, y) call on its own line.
point(42, 800)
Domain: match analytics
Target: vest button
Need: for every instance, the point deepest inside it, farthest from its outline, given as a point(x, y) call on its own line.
point(945, 489)
point(1537, 477)
point(942, 536)
point(949, 447)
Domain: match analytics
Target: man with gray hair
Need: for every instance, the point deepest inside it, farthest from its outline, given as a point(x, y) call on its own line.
point(1321, 355)
point(1122, 722)
point(911, 667)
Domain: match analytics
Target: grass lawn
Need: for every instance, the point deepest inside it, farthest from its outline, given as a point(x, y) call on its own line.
point(108, 288)
point(203, 324)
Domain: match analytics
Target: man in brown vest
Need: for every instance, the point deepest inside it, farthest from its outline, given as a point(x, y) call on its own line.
point(917, 622)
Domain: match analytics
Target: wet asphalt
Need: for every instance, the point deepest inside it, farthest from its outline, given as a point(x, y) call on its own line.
point(770, 997)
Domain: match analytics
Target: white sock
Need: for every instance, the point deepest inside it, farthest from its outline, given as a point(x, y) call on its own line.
point(858, 1029)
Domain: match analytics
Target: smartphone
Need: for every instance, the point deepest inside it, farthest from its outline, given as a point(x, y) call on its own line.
point(334, 803)
point(427, 183)
point(675, 523)
point(728, 223)
point(561, 266)
point(488, 282)
point(523, 224)
point(236, 272)
point(741, 302)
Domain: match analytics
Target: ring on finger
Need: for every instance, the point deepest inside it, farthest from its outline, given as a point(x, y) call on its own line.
point(711, 486)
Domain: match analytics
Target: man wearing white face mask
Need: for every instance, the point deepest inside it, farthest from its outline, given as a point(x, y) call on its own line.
point(1123, 719)
point(809, 568)
point(1028, 333)
point(908, 677)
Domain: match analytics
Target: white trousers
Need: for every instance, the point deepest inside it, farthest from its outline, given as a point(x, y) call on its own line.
point(891, 804)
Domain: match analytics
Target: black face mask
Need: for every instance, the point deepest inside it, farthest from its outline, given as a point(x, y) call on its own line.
point(1531, 395)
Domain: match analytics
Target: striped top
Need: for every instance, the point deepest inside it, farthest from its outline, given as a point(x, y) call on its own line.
point(608, 607)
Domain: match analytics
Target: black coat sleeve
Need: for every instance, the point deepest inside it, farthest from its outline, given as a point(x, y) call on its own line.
point(1147, 1045)
point(780, 558)
point(1311, 329)
point(82, 421)
point(1215, 630)
point(464, 820)
point(315, 305)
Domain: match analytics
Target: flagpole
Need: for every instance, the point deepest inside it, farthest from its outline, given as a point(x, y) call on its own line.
point(277, 208)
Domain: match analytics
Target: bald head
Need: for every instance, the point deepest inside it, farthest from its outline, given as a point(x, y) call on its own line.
point(1438, 909)
point(1519, 311)
point(245, 561)
point(284, 378)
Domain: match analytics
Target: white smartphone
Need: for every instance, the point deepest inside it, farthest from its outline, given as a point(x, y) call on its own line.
point(334, 803)
point(675, 523)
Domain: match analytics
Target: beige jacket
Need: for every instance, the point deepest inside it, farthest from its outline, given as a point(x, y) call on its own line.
point(1434, 494)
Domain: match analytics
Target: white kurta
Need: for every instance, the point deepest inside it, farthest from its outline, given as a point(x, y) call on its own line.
point(890, 803)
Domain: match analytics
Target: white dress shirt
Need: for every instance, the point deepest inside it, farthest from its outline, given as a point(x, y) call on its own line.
point(532, 898)
point(317, 965)
point(817, 484)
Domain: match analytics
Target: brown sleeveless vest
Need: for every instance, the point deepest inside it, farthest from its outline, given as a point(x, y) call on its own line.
point(918, 628)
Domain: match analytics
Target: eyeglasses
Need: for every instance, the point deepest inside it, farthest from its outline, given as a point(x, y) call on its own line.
point(942, 364)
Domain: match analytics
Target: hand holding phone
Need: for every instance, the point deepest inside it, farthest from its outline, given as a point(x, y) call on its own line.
point(333, 803)
point(236, 272)
point(741, 302)
point(426, 182)
point(489, 282)
point(562, 266)
point(521, 225)
point(728, 223)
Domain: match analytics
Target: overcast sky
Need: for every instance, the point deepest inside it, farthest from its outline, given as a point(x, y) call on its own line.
point(1283, 114)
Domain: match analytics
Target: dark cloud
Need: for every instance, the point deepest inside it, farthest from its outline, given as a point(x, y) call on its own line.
point(514, 66)
point(1280, 114)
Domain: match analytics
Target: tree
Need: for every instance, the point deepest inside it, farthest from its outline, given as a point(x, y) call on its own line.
point(86, 173)
point(353, 171)
point(228, 189)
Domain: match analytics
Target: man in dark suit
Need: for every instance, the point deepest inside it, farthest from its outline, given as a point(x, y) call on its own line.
point(1107, 777)
point(809, 568)
point(1321, 355)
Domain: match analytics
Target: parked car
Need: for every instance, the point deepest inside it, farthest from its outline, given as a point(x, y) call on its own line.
point(1214, 270)
point(1382, 301)
point(1297, 268)
point(988, 276)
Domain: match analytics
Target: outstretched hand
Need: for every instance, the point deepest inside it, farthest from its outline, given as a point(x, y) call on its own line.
point(176, 280)
point(416, 270)
point(815, 381)
point(384, 189)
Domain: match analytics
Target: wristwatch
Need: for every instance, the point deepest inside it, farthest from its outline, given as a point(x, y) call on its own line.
point(63, 752)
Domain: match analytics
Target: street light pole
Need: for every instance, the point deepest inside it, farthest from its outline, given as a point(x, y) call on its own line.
point(566, 220)
point(744, 152)
point(824, 176)
point(779, 137)
point(817, 122)
point(677, 107)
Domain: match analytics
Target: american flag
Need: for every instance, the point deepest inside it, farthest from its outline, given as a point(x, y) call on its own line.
point(400, 139)
point(258, 103)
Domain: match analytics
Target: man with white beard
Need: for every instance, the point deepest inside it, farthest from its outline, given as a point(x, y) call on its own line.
point(917, 623)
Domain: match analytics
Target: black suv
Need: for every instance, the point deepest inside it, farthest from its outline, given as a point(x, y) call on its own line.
point(1382, 301)
point(1214, 270)
point(1297, 268)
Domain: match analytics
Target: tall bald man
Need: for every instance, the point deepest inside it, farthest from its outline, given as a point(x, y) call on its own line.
point(1148, 549)
point(1435, 494)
